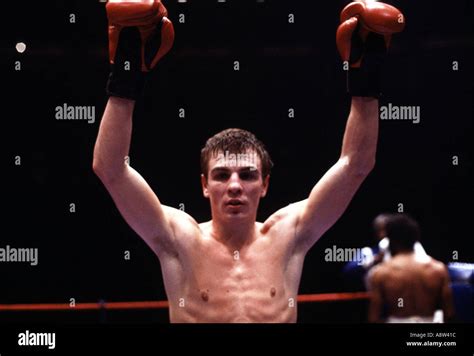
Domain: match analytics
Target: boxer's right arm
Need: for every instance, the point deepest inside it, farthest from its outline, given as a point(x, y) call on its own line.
point(133, 197)
point(140, 34)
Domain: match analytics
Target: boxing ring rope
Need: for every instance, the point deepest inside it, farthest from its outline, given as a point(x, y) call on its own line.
point(302, 298)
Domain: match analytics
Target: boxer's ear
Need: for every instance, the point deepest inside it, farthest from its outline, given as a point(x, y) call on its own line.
point(205, 191)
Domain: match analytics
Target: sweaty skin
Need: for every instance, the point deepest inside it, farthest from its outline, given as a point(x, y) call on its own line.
point(409, 286)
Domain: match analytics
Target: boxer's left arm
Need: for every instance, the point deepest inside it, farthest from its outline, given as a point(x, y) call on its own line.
point(331, 195)
point(365, 53)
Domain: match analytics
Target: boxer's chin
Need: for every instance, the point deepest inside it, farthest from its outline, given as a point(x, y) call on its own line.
point(236, 214)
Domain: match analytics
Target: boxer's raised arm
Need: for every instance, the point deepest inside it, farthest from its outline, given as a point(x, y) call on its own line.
point(363, 52)
point(132, 27)
point(332, 194)
point(132, 195)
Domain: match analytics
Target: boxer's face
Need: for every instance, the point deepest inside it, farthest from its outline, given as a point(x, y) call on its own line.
point(234, 185)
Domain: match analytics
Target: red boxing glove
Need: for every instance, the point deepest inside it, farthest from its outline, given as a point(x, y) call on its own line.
point(363, 39)
point(140, 34)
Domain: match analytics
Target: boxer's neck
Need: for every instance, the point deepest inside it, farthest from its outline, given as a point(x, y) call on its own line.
point(234, 235)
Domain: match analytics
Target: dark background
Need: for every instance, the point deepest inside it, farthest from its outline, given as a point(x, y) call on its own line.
point(282, 66)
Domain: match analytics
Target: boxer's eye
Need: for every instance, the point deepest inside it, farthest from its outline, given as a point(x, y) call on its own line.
point(249, 175)
point(221, 176)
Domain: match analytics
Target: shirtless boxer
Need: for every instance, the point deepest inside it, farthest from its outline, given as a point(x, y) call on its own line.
point(410, 286)
point(232, 268)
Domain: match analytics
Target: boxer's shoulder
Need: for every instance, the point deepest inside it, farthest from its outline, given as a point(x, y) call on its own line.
point(181, 222)
point(280, 227)
point(285, 217)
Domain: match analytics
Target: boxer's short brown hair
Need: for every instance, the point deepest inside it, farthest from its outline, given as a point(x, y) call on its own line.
point(235, 141)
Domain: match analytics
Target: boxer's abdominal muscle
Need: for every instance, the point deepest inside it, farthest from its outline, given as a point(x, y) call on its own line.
point(258, 283)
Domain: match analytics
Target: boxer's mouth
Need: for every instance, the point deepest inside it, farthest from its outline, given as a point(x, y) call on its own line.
point(235, 202)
